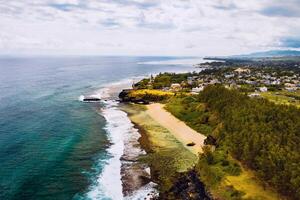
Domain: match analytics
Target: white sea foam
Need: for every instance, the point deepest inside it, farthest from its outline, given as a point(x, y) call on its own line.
point(146, 192)
point(108, 184)
point(80, 98)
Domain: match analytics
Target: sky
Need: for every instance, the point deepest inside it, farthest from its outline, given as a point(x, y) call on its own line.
point(148, 27)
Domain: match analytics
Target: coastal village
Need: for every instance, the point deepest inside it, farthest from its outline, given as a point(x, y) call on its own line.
point(279, 86)
point(239, 78)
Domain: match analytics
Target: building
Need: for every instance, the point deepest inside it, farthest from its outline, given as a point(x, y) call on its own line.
point(242, 70)
point(229, 75)
point(291, 89)
point(252, 95)
point(263, 89)
point(196, 90)
point(175, 87)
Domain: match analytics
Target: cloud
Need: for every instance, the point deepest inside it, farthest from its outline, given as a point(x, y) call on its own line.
point(63, 7)
point(110, 23)
point(147, 27)
point(276, 8)
point(226, 6)
point(139, 4)
point(281, 11)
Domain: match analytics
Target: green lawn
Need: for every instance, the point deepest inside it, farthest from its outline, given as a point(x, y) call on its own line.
point(283, 97)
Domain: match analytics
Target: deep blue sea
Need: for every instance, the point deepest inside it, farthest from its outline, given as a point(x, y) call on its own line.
point(53, 146)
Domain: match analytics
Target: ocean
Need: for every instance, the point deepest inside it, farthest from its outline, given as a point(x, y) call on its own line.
point(54, 146)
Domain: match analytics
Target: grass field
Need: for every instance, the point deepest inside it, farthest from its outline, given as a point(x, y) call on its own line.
point(250, 186)
point(283, 97)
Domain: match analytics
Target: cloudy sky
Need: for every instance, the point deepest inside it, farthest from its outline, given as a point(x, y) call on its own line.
point(148, 27)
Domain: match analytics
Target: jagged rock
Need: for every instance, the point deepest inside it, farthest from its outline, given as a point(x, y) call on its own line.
point(124, 97)
point(187, 187)
point(210, 140)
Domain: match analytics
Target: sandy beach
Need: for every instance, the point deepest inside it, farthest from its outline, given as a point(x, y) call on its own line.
point(179, 129)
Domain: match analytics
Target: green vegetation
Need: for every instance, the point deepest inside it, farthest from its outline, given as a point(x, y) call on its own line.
point(246, 88)
point(283, 97)
point(166, 79)
point(227, 179)
point(150, 95)
point(163, 80)
point(194, 113)
point(258, 133)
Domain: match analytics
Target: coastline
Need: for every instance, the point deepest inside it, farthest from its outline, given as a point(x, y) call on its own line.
point(153, 153)
point(124, 176)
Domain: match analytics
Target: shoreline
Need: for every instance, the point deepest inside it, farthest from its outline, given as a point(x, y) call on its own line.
point(150, 140)
point(135, 175)
point(123, 176)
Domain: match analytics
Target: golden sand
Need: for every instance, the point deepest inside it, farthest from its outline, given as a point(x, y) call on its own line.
point(179, 129)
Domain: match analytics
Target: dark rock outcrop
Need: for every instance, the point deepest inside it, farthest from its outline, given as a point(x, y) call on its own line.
point(125, 97)
point(210, 140)
point(187, 186)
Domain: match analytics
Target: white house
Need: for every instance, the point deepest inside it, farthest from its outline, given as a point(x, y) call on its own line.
point(242, 70)
point(175, 87)
point(263, 89)
point(254, 95)
point(196, 90)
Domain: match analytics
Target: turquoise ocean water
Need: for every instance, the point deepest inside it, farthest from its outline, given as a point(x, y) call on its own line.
point(53, 146)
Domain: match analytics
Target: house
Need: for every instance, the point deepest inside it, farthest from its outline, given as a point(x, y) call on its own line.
point(276, 82)
point(196, 90)
point(242, 70)
point(252, 95)
point(229, 75)
point(263, 89)
point(214, 81)
point(175, 87)
point(290, 85)
point(291, 89)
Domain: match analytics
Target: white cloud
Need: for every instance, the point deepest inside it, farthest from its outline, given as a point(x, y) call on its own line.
point(144, 27)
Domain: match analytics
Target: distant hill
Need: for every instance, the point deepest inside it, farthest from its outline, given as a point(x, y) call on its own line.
point(273, 53)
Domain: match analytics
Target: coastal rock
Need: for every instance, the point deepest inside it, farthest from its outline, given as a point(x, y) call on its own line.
point(124, 96)
point(210, 140)
point(188, 186)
